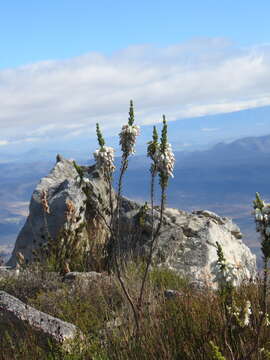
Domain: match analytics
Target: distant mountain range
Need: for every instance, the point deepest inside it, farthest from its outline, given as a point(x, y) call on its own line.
point(223, 179)
point(190, 134)
point(249, 144)
point(239, 167)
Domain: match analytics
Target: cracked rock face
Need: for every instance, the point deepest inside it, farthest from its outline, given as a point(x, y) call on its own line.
point(201, 230)
point(187, 241)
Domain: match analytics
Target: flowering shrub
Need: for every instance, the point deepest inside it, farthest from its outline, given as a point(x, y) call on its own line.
point(241, 316)
point(225, 272)
point(262, 219)
point(163, 164)
point(162, 155)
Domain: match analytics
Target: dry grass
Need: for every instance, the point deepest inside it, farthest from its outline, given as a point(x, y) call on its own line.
point(181, 327)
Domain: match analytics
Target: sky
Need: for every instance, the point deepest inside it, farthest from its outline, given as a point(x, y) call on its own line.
point(66, 65)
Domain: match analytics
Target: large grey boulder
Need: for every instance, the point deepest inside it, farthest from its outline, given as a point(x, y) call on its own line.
point(186, 244)
point(16, 313)
point(62, 188)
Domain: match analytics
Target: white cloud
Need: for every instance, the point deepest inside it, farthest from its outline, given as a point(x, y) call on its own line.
point(3, 142)
point(204, 76)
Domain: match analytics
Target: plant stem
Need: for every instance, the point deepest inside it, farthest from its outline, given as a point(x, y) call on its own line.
point(154, 236)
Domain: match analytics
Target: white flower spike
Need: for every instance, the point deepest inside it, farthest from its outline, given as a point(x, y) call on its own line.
point(105, 158)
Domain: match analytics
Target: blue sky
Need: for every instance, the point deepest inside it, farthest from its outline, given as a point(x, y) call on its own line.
point(33, 30)
point(66, 64)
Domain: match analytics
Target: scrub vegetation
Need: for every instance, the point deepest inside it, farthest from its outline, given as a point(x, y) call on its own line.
point(136, 309)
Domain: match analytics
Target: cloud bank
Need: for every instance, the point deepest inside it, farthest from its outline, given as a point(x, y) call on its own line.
point(50, 99)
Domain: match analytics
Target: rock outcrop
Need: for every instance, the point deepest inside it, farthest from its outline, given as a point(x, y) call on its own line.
point(186, 244)
point(56, 195)
point(15, 312)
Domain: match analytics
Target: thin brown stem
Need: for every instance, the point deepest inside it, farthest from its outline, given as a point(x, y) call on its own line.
point(154, 236)
point(116, 244)
point(127, 295)
point(264, 310)
point(265, 281)
point(118, 204)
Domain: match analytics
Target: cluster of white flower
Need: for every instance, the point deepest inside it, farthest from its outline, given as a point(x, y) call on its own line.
point(165, 161)
point(105, 158)
point(262, 218)
point(233, 310)
point(226, 273)
point(246, 313)
point(84, 180)
point(128, 136)
point(266, 320)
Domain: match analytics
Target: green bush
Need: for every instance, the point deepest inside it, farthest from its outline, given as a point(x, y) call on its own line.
point(163, 279)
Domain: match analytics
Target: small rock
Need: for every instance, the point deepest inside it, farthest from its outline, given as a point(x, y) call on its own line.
point(169, 294)
point(73, 276)
point(5, 273)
